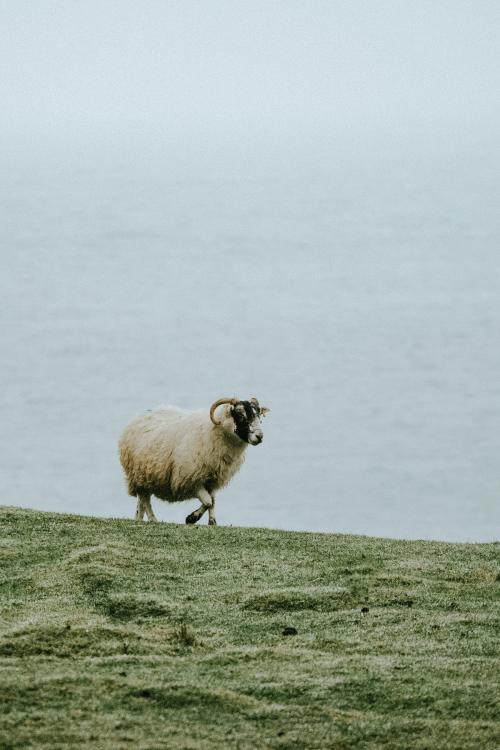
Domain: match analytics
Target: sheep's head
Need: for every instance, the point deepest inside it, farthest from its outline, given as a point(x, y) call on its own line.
point(245, 417)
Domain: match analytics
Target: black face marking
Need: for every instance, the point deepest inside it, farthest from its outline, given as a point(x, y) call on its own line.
point(243, 414)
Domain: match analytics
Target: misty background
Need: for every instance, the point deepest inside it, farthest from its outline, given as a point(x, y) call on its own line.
point(297, 201)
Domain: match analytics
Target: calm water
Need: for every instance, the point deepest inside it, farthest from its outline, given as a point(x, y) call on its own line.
point(359, 300)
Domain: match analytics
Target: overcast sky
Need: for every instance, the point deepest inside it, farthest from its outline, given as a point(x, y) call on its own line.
point(246, 69)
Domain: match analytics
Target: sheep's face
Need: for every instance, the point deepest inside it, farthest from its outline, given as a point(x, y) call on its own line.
point(246, 417)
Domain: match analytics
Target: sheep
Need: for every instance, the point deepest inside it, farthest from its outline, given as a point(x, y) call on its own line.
point(178, 455)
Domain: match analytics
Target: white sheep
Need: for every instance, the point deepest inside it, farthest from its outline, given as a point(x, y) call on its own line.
point(178, 455)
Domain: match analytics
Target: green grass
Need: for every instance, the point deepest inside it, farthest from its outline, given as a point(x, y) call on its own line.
point(115, 634)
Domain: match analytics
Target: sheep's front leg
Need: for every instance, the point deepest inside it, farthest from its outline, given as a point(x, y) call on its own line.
point(206, 503)
point(211, 513)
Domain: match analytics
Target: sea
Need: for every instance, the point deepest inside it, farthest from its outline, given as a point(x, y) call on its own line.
point(355, 293)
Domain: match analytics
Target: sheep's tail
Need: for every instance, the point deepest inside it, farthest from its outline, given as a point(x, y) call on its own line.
point(133, 490)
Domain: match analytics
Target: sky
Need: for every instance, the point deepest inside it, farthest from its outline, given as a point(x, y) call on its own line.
point(298, 200)
point(243, 72)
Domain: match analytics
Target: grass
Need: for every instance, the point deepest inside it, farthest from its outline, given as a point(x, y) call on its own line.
point(122, 635)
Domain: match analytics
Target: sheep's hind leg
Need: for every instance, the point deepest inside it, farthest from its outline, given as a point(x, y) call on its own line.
point(149, 510)
point(141, 508)
point(206, 503)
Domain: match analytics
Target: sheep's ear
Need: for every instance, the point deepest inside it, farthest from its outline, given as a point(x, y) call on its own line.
point(264, 410)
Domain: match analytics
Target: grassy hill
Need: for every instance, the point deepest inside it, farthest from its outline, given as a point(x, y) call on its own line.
point(115, 635)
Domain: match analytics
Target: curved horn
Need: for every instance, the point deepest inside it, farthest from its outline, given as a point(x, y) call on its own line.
point(219, 402)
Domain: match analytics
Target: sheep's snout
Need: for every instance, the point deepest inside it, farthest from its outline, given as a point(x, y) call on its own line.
point(256, 438)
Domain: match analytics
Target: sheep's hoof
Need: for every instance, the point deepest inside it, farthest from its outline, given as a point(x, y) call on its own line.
point(212, 522)
point(192, 518)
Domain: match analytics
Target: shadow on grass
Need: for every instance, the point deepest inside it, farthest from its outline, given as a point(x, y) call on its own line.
point(324, 599)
